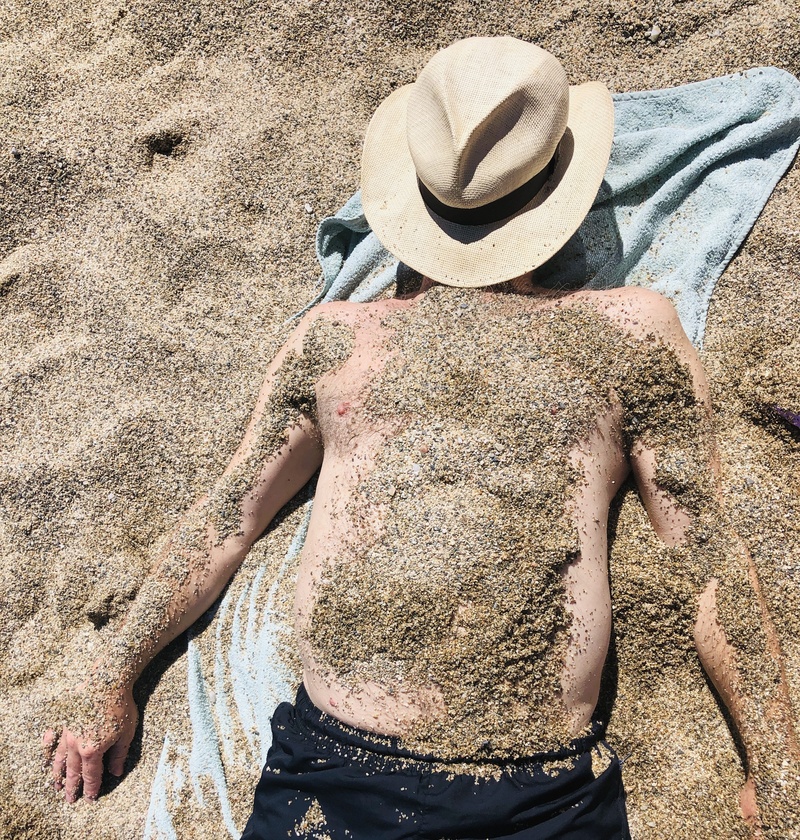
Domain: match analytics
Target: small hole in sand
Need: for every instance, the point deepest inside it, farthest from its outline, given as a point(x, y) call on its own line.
point(165, 143)
point(7, 284)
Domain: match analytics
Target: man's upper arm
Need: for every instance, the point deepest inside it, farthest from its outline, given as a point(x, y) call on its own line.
point(670, 517)
point(281, 448)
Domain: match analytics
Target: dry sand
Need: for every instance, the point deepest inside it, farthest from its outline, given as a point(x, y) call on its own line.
point(162, 170)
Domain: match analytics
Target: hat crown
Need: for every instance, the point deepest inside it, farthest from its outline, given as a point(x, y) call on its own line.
point(484, 116)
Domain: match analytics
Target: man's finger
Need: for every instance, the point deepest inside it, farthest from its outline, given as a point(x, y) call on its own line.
point(49, 742)
point(60, 763)
point(748, 802)
point(119, 752)
point(72, 784)
point(92, 770)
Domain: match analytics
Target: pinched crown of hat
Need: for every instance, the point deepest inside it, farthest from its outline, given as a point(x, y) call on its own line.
point(485, 166)
point(470, 150)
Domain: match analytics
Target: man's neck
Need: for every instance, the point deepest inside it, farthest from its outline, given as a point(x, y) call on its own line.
point(523, 285)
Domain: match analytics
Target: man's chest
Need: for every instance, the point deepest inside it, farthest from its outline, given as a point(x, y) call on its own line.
point(516, 408)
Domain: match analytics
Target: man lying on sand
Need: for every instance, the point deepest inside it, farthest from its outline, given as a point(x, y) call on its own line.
point(453, 610)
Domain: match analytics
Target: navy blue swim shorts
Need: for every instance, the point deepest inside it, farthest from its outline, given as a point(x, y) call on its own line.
point(324, 779)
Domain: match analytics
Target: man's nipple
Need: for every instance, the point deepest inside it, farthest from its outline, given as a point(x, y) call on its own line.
point(343, 408)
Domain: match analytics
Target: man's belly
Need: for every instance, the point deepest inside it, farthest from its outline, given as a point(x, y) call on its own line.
point(448, 629)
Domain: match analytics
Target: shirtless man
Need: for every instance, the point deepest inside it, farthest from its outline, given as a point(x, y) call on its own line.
point(453, 609)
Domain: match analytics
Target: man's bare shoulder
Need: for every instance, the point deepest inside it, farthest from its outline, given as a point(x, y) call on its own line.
point(647, 315)
point(641, 312)
point(336, 329)
point(347, 312)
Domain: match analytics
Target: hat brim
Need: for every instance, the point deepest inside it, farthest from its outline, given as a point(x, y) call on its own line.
point(481, 255)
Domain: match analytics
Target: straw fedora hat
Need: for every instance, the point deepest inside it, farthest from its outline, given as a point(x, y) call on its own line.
point(484, 167)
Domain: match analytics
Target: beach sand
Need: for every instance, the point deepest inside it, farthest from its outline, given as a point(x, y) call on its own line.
point(162, 170)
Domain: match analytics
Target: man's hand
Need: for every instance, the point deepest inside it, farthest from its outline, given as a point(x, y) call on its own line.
point(77, 755)
point(749, 806)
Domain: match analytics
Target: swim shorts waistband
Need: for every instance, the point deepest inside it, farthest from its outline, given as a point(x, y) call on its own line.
point(327, 726)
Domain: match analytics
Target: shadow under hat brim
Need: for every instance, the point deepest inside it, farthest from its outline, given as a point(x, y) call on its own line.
point(481, 255)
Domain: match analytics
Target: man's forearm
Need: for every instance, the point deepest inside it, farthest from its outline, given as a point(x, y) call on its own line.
point(211, 541)
point(758, 702)
point(187, 578)
point(719, 659)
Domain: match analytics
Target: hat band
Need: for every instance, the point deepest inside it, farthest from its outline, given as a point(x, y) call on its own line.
point(494, 211)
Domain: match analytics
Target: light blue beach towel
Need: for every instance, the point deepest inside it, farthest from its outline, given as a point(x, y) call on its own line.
point(691, 168)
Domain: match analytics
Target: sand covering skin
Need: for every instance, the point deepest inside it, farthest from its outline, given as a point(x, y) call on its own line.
point(512, 553)
point(476, 485)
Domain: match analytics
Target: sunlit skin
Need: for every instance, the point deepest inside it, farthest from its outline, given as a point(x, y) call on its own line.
point(345, 445)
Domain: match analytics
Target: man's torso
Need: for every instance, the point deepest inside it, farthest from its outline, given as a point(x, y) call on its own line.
point(453, 588)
